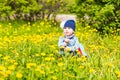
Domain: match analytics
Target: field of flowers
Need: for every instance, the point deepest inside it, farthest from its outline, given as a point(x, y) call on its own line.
point(29, 52)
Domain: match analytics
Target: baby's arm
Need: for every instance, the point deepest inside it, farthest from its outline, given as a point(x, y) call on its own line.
point(61, 42)
point(74, 44)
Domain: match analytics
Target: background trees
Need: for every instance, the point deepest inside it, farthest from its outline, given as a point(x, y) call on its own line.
point(103, 15)
point(29, 9)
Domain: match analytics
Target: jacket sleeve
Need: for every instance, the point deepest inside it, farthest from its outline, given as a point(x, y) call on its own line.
point(81, 47)
point(75, 44)
point(61, 42)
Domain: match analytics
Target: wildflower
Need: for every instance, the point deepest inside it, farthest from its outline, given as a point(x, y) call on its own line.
point(109, 64)
point(91, 70)
point(6, 57)
point(78, 59)
point(19, 75)
point(12, 67)
point(15, 63)
point(56, 51)
point(51, 55)
point(42, 72)
point(60, 64)
point(81, 67)
point(117, 74)
point(42, 23)
point(42, 65)
point(38, 69)
point(28, 28)
point(37, 55)
point(12, 61)
point(52, 58)
point(54, 77)
point(3, 74)
point(43, 54)
point(47, 58)
point(29, 65)
point(0, 55)
point(2, 68)
point(8, 72)
point(87, 26)
point(83, 58)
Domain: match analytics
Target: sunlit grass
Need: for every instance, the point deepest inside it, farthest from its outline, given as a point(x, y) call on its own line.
point(29, 51)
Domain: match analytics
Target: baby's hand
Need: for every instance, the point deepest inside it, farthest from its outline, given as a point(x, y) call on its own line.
point(66, 40)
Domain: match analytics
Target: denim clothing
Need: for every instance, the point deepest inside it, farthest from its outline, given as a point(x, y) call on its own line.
point(73, 44)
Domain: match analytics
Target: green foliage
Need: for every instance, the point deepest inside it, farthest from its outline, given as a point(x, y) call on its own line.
point(100, 14)
point(103, 15)
point(29, 9)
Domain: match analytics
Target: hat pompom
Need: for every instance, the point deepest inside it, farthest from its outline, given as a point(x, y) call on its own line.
point(62, 24)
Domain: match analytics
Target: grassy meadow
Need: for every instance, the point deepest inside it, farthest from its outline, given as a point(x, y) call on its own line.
point(29, 51)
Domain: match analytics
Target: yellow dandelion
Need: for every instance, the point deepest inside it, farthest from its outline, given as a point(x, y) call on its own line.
point(37, 55)
point(54, 77)
point(109, 64)
point(47, 58)
point(19, 75)
point(91, 70)
point(29, 65)
point(42, 23)
point(60, 64)
point(3, 74)
point(28, 28)
point(83, 58)
point(8, 72)
point(0, 55)
point(43, 54)
point(38, 69)
point(2, 68)
point(56, 51)
point(15, 63)
point(42, 72)
point(51, 55)
point(1, 79)
point(6, 57)
point(79, 59)
point(117, 74)
point(52, 58)
point(11, 61)
point(42, 65)
point(81, 67)
point(12, 67)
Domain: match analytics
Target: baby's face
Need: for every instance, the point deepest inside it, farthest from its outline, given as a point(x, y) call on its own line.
point(68, 31)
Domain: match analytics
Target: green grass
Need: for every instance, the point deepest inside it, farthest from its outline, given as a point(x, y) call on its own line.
point(29, 51)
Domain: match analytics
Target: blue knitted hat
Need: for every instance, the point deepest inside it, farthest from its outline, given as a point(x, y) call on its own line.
point(70, 24)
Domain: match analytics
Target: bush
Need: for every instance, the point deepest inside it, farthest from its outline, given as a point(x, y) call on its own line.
point(100, 14)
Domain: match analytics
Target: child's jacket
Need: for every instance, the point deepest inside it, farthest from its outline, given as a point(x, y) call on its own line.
point(73, 44)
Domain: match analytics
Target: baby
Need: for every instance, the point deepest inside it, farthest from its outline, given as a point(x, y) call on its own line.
point(69, 42)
